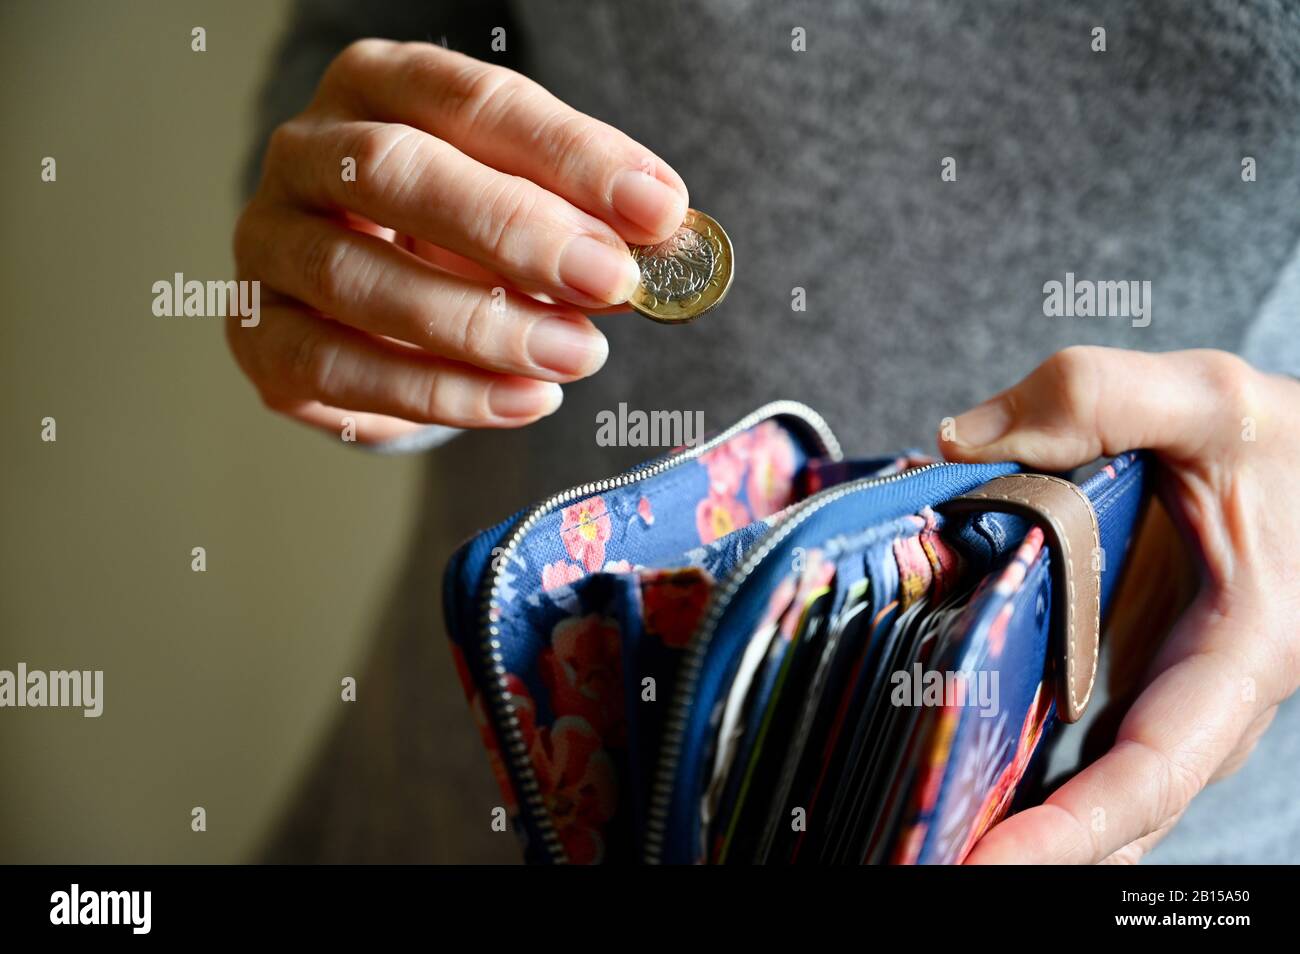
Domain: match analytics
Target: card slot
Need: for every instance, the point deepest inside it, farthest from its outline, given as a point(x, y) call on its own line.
point(902, 722)
point(864, 736)
point(774, 739)
point(793, 784)
point(814, 583)
point(819, 751)
point(740, 699)
point(829, 790)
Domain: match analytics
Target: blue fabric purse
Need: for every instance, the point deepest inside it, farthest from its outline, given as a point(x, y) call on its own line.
point(756, 651)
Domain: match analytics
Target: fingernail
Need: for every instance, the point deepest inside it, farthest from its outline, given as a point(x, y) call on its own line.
point(605, 273)
point(647, 202)
point(519, 397)
point(982, 425)
point(566, 347)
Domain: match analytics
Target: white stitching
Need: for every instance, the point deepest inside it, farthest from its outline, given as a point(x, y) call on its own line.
point(1071, 627)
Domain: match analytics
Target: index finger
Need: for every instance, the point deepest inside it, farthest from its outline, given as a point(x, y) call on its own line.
point(514, 125)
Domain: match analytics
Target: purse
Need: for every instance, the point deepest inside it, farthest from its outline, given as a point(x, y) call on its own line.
point(757, 651)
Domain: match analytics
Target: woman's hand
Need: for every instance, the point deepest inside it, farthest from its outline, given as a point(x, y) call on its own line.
point(1227, 439)
point(432, 229)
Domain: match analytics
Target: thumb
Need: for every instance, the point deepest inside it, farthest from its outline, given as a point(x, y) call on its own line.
point(1084, 402)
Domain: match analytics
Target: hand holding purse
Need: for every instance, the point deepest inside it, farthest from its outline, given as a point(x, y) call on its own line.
point(756, 651)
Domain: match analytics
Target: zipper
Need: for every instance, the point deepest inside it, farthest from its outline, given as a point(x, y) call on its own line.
point(495, 687)
point(692, 666)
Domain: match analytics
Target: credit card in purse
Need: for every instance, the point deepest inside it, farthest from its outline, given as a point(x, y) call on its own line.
point(705, 658)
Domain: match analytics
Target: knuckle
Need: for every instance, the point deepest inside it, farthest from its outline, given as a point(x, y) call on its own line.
point(1231, 378)
point(1178, 783)
point(1074, 362)
point(509, 212)
point(355, 56)
point(312, 361)
point(283, 156)
point(257, 362)
point(281, 145)
point(324, 264)
point(1130, 854)
point(1084, 837)
point(565, 137)
point(448, 397)
point(434, 400)
point(472, 92)
point(1184, 782)
point(1072, 376)
point(477, 330)
point(383, 154)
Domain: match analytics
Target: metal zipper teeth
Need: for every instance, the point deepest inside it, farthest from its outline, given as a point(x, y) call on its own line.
point(688, 678)
point(496, 687)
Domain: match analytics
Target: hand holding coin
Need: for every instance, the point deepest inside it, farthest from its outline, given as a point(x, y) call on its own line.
point(449, 281)
point(686, 275)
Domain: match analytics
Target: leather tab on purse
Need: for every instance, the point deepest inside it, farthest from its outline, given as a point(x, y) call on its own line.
point(1070, 528)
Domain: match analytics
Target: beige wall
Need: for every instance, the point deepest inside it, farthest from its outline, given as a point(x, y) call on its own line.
point(217, 684)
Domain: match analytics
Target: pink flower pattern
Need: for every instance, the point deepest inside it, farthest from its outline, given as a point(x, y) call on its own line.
point(585, 529)
point(771, 469)
point(560, 573)
point(578, 786)
point(762, 462)
point(716, 516)
point(583, 671)
point(726, 465)
point(673, 602)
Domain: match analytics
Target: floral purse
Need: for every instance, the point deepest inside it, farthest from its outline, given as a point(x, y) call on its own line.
point(756, 651)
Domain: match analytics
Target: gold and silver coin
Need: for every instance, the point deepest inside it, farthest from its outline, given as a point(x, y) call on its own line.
point(685, 276)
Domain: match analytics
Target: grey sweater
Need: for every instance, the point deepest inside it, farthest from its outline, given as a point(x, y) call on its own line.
point(923, 295)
